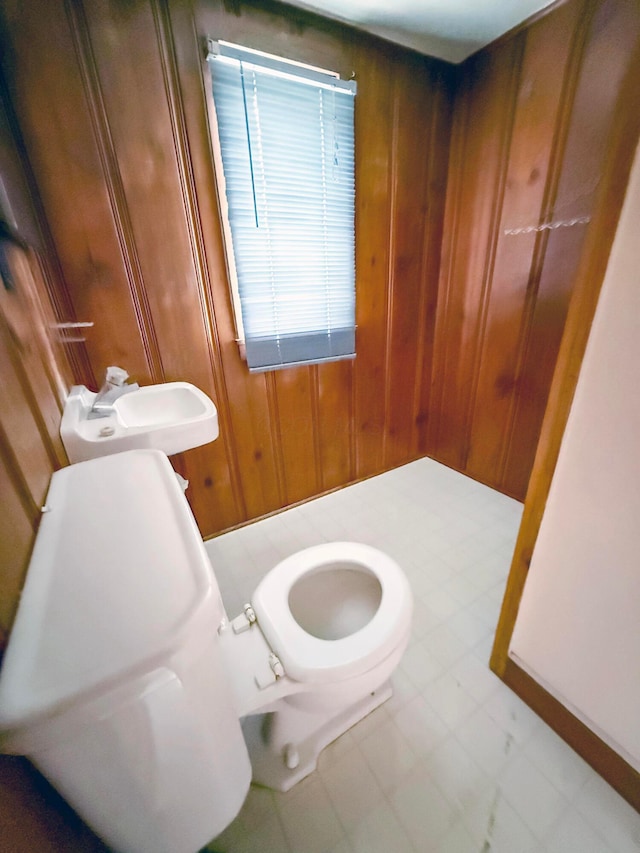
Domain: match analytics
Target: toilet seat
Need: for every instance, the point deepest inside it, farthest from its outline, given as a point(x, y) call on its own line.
point(307, 658)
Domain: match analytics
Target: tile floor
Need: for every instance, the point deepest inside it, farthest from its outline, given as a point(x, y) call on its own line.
point(454, 762)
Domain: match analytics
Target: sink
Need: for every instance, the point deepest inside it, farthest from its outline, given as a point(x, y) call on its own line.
point(171, 417)
point(157, 405)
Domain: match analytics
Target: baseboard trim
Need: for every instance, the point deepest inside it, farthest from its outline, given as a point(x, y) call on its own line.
point(615, 770)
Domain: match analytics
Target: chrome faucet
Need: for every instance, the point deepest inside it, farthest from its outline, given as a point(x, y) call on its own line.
point(115, 385)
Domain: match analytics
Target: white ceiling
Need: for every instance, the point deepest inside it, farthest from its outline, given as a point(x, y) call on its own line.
point(448, 29)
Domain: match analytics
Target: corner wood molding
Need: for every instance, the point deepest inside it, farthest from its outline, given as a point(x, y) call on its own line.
point(589, 278)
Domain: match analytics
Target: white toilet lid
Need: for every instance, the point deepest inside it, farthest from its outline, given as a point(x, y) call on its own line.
point(307, 658)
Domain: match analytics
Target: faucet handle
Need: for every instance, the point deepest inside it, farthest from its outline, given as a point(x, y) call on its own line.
point(116, 375)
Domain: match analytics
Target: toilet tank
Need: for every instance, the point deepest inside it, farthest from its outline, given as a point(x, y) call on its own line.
point(112, 682)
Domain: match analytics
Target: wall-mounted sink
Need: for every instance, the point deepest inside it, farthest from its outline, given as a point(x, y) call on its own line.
point(171, 417)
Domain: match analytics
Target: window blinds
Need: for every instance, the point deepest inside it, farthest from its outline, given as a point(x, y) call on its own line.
point(286, 140)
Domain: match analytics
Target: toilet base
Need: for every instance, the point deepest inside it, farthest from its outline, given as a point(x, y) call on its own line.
point(284, 745)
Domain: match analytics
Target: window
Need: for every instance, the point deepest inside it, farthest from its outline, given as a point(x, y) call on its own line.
point(286, 189)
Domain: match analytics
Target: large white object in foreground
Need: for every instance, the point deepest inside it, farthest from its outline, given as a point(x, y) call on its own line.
point(111, 677)
point(125, 683)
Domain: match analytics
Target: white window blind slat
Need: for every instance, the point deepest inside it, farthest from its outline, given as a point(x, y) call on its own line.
point(287, 146)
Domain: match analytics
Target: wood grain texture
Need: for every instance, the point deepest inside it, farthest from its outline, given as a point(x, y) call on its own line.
point(25, 214)
point(459, 321)
point(128, 110)
point(610, 42)
point(30, 446)
point(532, 127)
point(483, 119)
point(619, 25)
point(34, 377)
point(377, 135)
point(588, 281)
point(67, 162)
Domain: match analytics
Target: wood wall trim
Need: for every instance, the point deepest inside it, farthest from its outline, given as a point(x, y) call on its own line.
point(604, 760)
point(114, 185)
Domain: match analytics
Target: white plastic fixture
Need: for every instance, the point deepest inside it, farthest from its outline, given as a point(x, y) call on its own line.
point(172, 417)
point(329, 611)
point(112, 680)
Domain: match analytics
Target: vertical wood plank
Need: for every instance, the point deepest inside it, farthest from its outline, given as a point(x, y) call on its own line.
point(22, 427)
point(16, 542)
point(72, 179)
point(37, 357)
point(425, 412)
point(294, 394)
point(334, 418)
point(412, 271)
point(245, 415)
point(136, 89)
point(530, 182)
point(481, 132)
point(22, 208)
point(610, 41)
point(445, 370)
point(374, 186)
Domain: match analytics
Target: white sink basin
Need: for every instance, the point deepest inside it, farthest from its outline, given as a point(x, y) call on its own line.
point(171, 417)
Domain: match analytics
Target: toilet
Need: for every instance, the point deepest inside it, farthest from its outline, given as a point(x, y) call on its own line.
point(149, 709)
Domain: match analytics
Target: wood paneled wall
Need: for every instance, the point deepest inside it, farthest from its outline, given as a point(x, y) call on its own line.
point(530, 137)
point(108, 169)
point(33, 381)
point(30, 447)
point(462, 289)
point(34, 376)
point(118, 141)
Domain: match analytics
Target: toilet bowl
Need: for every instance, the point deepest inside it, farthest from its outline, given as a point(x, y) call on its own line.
point(128, 686)
point(333, 620)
